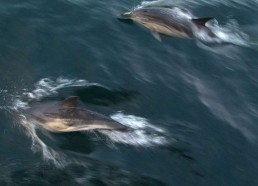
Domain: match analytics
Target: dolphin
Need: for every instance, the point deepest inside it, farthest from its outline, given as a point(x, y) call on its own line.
point(67, 116)
point(169, 20)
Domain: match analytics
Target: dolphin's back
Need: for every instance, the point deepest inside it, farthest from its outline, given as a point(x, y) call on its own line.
point(82, 114)
point(67, 117)
point(173, 18)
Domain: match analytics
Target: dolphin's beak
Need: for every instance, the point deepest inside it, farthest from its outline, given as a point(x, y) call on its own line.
point(125, 15)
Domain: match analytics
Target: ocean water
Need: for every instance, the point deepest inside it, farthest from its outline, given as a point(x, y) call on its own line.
point(192, 105)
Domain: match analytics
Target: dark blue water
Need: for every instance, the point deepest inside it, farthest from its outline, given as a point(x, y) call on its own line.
point(193, 107)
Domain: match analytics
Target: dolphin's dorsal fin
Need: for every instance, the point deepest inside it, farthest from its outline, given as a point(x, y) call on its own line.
point(70, 102)
point(202, 21)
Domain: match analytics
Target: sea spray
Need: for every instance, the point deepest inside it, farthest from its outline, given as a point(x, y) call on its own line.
point(142, 133)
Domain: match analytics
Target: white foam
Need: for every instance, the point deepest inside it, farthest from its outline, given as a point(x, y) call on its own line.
point(3, 91)
point(19, 104)
point(44, 88)
point(47, 87)
point(230, 33)
point(37, 144)
point(142, 134)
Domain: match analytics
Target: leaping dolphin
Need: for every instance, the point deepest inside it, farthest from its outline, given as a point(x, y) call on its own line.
point(67, 116)
point(169, 20)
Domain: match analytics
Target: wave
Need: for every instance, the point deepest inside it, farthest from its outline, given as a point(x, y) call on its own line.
point(76, 173)
point(239, 114)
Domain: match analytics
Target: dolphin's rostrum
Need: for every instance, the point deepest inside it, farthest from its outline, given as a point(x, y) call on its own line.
point(67, 116)
point(169, 20)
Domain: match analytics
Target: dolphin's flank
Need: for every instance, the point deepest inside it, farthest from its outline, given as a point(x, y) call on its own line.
point(169, 20)
point(67, 116)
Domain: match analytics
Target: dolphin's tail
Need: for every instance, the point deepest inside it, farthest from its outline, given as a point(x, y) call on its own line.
point(202, 21)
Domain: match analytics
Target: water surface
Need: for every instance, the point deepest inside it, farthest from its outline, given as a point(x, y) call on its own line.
point(193, 107)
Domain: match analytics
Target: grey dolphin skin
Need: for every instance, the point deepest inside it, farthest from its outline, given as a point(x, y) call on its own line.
point(169, 20)
point(67, 116)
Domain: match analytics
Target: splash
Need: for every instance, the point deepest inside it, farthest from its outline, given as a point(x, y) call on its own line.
point(229, 33)
point(224, 107)
point(47, 87)
point(49, 154)
point(142, 134)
